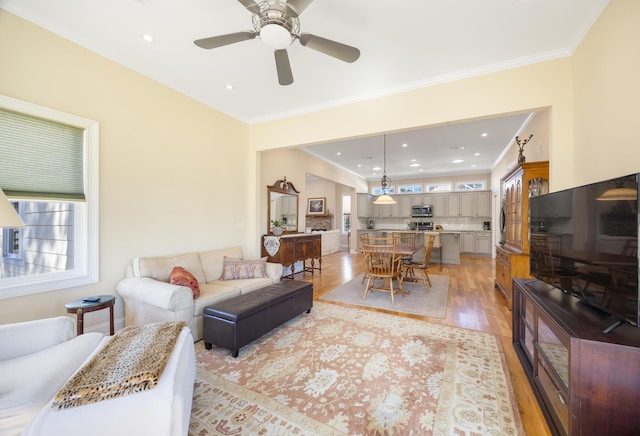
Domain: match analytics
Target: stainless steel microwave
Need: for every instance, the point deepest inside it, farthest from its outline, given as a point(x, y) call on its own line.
point(424, 210)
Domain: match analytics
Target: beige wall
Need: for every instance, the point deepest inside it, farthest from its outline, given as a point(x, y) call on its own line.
point(543, 86)
point(177, 176)
point(295, 165)
point(607, 94)
point(173, 172)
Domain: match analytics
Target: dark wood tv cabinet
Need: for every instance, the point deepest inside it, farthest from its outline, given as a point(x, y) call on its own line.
point(587, 382)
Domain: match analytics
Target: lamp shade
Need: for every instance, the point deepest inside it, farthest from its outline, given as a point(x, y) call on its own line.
point(619, 194)
point(8, 215)
point(384, 199)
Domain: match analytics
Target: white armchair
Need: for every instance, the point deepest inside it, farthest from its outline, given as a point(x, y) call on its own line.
point(36, 359)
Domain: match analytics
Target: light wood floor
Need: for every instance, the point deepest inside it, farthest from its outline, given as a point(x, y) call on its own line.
point(473, 303)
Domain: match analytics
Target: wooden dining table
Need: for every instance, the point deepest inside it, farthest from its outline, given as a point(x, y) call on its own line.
point(401, 252)
point(569, 258)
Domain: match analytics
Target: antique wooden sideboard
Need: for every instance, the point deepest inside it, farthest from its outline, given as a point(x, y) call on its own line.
point(291, 248)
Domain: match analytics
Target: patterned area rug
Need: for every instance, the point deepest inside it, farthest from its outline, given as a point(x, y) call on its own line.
point(342, 370)
point(431, 302)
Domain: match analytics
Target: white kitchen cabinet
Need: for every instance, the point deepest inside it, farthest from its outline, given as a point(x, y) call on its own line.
point(483, 242)
point(364, 206)
point(439, 202)
point(453, 204)
point(404, 204)
point(482, 206)
point(474, 204)
point(468, 242)
point(466, 204)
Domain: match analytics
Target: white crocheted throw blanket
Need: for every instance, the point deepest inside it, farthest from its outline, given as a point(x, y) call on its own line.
point(132, 361)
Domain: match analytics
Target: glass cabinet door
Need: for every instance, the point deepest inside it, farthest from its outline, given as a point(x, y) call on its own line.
point(553, 371)
point(527, 314)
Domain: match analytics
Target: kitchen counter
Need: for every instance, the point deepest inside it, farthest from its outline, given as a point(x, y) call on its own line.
point(450, 241)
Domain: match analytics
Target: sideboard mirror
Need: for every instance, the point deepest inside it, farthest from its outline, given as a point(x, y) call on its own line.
point(283, 205)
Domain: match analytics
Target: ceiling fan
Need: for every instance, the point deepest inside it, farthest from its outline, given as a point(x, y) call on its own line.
point(276, 23)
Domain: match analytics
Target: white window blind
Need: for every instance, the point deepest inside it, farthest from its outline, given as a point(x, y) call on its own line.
point(40, 159)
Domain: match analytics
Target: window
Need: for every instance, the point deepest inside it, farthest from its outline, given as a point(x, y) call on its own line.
point(56, 195)
point(346, 213)
point(415, 189)
point(13, 239)
point(470, 186)
point(378, 190)
point(438, 187)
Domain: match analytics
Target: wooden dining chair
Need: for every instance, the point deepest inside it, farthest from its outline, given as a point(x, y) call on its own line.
point(405, 241)
point(382, 263)
point(437, 245)
point(410, 268)
point(550, 268)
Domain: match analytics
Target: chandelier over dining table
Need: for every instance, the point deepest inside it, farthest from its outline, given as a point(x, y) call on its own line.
point(385, 182)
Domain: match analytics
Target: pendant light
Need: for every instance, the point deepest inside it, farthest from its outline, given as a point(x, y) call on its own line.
point(385, 198)
point(620, 193)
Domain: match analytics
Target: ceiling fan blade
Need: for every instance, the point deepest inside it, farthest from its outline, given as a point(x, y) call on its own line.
point(219, 41)
point(251, 6)
point(285, 76)
point(332, 48)
point(296, 7)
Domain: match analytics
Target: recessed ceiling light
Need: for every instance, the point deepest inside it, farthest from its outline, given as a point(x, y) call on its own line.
point(338, 153)
point(457, 161)
point(359, 165)
point(405, 145)
point(476, 154)
point(414, 165)
point(413, 160)
point(473, 166)
point(376, 168)
point(421, 169)
point(229, 86)
point(484, 135)
point(147, 37)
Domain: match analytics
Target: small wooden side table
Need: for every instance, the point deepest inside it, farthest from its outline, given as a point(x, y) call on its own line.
point(81, 306)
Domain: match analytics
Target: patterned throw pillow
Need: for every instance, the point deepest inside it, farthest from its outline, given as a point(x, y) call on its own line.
point(234, 269)
point(182, 277)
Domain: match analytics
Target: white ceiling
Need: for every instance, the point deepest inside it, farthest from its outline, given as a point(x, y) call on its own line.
point(404, 44)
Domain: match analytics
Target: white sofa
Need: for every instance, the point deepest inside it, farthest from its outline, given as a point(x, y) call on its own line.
point(149, 297)
point(38, 357)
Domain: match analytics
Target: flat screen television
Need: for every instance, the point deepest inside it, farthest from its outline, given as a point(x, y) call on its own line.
point(584, 240)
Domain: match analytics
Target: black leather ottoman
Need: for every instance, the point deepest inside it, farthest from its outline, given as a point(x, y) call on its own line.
point(234, 323)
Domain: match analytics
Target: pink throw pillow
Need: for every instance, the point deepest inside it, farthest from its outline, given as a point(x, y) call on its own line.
point(182, 277)
point(234, 269)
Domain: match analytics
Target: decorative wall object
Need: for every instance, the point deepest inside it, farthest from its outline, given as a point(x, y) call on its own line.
point(316, 206)
point(521, 144)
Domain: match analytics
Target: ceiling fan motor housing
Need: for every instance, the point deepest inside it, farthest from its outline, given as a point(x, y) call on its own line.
point(276, 28)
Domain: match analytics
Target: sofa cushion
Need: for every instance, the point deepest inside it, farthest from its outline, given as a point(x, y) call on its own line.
point(212, 262)
point(159, 268)
point(211, 293)
point(182, 277)
point(250, 285)
point(234, 269)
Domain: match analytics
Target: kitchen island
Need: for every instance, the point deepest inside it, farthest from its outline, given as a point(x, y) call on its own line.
point(449, 240)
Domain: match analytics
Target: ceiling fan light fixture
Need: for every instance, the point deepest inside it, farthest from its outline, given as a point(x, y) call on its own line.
point(275, 36)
